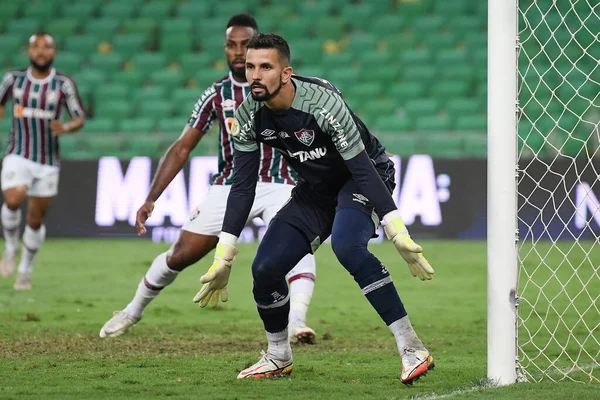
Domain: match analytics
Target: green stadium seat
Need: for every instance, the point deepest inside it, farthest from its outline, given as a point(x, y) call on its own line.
point(372, 60)
point(314, 70)
point(449, 89)
point(471, 123)
point(149, 62)
point(144, 26)
point(421, 108)
point(360, 15)
point(326, 28)
point(460, 106)
point(343, 76)
point(173, 46)
point(70, 145)
point(207, 29)
point(412, 9)
point(434, 123)
point(128, 78)
point(156, 108)
point(413, 57)
point(358, 43)
point(150, 93)
point(444, 146)
point(476, 146)
point(336, 60)
point(11, 44)
point(387, 73)
point(377, 109)
point(168, 78)
point(81, 10)
point(68, 62)
point(393, 123)
point(208, 76)
point(108, 62)
point(453, 9)
point(294, 29)
point(42, 11)
point(427, 25)
point(156, 10)
point(98, 125)
point(419, 73)
point(214, 49)
point(146, 145)
point(193, 62)
point(23, 27)
point(439, 41)
point(306, 51)
point(277, 12)
point(9, 10)
point(194, 10)
point(19, 60)
point(170, 125)
point(451, 57)
point(110, 92)
point(104, 28)
point(401, 144)
point(137, 125)
point(223, 9)
point(313, 11)
point(120, 10)
point(62, 29)
point(405, 92)
point(459, 72)
point(131, 43)
point(184, 97)
point(176, 26)
point(463, 25)
point(116, 109)
point(85, 45)
point(92, 77)
point(106, 145)
point(365, 91)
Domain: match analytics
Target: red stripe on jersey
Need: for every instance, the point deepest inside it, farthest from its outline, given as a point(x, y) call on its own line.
point(266, 163)
point(26, 131)
point(285, 173)
point(42, 132)
point(225, 149)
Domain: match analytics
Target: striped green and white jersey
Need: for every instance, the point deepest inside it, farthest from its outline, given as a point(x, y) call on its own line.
point(35, 103)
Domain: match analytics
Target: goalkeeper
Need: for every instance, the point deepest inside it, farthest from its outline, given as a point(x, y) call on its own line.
point(345, 185)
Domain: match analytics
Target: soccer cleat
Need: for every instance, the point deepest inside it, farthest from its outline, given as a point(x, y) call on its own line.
point(118, 324)
point(300, 333)
point(7, 266)
point(415, 364)
point(23, 281)
point(267, 367)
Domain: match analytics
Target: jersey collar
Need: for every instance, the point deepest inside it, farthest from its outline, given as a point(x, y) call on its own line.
point(40, 81)
point(236, 83)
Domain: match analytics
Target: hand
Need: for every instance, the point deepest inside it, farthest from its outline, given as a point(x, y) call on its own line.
point(142, 216)
point(216, 279)
point(58, 128)
point(411, 252)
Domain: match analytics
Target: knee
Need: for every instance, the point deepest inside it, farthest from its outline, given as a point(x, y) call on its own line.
point(177, 258)
point(265, 269)
point(35, 221)
point(345, 250)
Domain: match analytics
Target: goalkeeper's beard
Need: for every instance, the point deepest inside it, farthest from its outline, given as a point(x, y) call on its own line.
point(266, 96)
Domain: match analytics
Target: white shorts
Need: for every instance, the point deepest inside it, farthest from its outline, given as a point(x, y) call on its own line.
point(41, 180)
point(207, 218)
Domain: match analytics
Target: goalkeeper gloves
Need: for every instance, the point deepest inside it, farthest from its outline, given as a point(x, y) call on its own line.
point(411, 252)
point(216, 278)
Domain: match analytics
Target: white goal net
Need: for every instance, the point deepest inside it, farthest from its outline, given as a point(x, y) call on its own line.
point(558, 293)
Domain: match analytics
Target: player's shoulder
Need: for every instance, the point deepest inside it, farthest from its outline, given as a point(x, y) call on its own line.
point(64, 77)
point(13, 73)
point(314, 82)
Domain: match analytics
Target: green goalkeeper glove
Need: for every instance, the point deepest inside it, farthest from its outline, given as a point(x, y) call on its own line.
point(411, 252)
point(216, 278)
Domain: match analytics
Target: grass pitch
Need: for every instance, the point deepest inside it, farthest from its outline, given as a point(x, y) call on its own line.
point(49, 344)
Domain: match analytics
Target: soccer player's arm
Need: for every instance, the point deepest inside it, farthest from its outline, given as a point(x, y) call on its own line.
point(5, 89)
point(202, 117)
point(246, 161)
point(347, 139)
point(75, 108)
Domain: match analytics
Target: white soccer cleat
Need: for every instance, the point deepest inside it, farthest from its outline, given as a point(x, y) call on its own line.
point(300, 333)
point(7, 266)
point(267, 367)
point(118, 324)
point(23, 281)
point(415, 364)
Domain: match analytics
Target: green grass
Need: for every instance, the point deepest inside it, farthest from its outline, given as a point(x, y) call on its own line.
point(49, 344)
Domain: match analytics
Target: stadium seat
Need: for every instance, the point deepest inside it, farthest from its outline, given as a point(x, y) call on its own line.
point(434, 123)
point(156, 10)
point(156, 108)
point(170, 125)
point(84, 45)
point(451, 57)
point(175, 45)
point(69, 62)
point(449, 89)
point(11, 44)
point(62, 29)
point(104, 28)
point(427, 25)
point(313, 11)
point(9, 10)
point(131, 44)
point(149, 62)
point(407, 91)
point(308, 50)
point(471, 123)
point(92, 77)
point(421, 108)
point(476, 146)
point(337, 60)
point(400, 144)
point(143, 26)
point(458, 106)
point(393, 123)
point(99, 125)
point(102, 146)
point(176, 26)
point(419, 73)
point(149, 93)
point(168, 78)
point(41, 11)
point(413, 57)
point(109, 62)
point(147, 145)
point(445, 146)
point(278, 12)
point(185, 98)
point(453, 9)
point(294, 29)
point(193, 10)
point(110, 92)
point(360, 15)
point(128, 78)
point(369, 91)
point(120, 10)
point(326, 28)
point(193, 62)
point(141, 125)
point(79, 10)
point(115, 109)
point(23, 27)
point(223, 9)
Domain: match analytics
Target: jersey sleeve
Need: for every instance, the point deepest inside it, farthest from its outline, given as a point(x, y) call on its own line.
point(335, 119)
point(203, 113)
point(243, 129)
point(72, 98)
point(5, 87)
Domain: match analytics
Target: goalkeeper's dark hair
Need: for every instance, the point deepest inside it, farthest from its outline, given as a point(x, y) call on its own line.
point(243, 20)
point(271, 41)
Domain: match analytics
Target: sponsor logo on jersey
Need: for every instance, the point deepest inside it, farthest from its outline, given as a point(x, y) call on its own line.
point(228, 105)
point(336, 127)
point(359, 198)
point(52, 96)
point(314, 154)
point(268, 132)
point(305, 136)
point(28, 112)
point(283, 135)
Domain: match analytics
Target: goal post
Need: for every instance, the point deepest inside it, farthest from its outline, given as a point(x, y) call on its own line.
point(543, 190)
point(501, 191)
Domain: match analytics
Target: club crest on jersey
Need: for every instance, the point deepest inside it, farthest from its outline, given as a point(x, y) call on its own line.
point(305, 136)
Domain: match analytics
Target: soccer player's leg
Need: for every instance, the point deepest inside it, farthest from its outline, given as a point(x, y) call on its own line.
point(270, 197)
point(285, 243)
point(16, 179)
point(353, 227)
point(198, 237)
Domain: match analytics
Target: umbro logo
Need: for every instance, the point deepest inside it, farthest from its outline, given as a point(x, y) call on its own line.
point(359, 198)
point(228, 105)
point(283, 135)
point(267, 132)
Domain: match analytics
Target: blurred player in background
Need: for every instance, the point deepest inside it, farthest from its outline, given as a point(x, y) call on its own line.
point(30, 168)
point(344, 190)
point(200, 234)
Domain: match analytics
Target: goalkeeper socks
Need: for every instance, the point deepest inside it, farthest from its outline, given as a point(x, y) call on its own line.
point(352, 230)
point(302, 284)
point(405, 335)
point(158, 276)
point(279, 345)
point(11, 219)
point(32, 241)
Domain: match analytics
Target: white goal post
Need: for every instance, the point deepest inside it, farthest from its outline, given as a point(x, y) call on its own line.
point(543, 261)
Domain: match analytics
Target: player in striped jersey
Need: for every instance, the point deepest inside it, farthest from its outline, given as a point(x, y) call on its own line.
point(30, 168)
point(199, 235)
